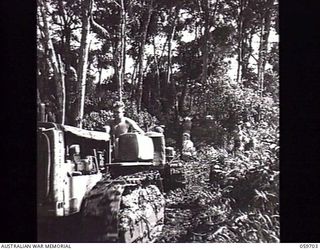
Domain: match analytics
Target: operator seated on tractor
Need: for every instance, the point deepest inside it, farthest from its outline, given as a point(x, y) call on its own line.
point(120, 125)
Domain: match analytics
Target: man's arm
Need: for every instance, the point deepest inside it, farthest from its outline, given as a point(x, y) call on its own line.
point(108, 128)
point(134, 125)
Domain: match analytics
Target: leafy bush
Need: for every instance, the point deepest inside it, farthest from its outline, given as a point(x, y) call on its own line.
point(99, 111)
point(230, 106)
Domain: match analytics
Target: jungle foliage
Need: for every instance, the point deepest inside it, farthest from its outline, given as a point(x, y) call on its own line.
point(212, 60)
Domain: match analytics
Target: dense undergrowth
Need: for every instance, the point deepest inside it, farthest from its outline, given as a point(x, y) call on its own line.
point(229, 197)
point(242, 211)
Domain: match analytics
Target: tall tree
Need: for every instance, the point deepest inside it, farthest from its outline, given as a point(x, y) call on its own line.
point(173, 19)
point(143, 38)
point(67, 21)
point(242, 6)
point(54, 59)
point(122, 36)
point(265, 26)
point(83, 60)
point(209, 22)
point(157, 70)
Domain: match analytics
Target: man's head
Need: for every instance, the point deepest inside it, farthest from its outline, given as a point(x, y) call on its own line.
point(186, 136)
point(118, 109)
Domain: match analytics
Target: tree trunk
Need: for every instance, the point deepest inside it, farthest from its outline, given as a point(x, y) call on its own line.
point(83, 61)
point(141, 54)
point(264, 37)
point(134, 80)
point(124, 42)
point(205, 43)
point(239, 58)
point(115, 63)
point(157, 90)
point(169, 65)
point(182, 98)
point(121, 49)
point(170, 40)
point(245, 54)
point(70, 77)
point(260, 51)
point(55, 62)
point(100, 76)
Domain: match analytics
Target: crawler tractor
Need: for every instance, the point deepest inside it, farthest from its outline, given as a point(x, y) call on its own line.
point(110, 200)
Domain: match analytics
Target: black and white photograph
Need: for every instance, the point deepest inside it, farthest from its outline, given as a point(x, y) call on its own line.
point(157, 121)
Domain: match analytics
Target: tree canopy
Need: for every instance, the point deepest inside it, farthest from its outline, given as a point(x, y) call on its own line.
point(165, 58)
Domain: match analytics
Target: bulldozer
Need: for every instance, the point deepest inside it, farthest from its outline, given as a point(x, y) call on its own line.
point(83, 189)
